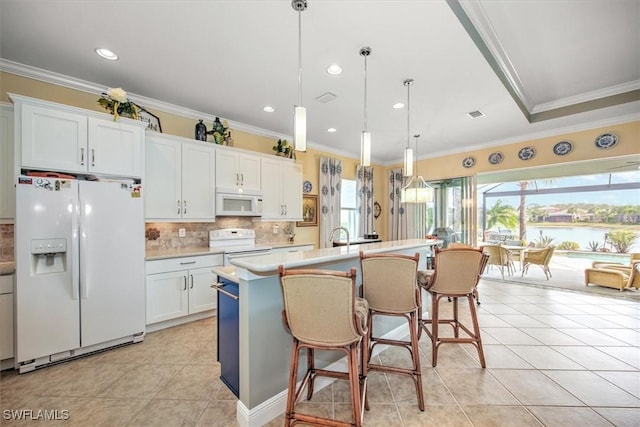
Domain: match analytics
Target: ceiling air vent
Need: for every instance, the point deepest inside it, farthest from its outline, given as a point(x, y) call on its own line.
point(475, 114)
point(326, 97)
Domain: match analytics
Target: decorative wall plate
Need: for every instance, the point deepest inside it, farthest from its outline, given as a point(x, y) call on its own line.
point(527, 153)
point(495, 158)
point(306, 186)
point(562, 148)
point(606, 140)
point(469, 162)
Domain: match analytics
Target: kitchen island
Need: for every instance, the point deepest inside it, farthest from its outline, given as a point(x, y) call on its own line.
point(264, 342)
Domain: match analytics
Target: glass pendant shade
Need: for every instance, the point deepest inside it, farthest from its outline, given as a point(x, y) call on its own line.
point(416, 191)
point(365, 149)
point(300, 128)
point(408, 161)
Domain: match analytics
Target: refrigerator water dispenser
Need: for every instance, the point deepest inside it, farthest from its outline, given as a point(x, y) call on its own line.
point(48, 256)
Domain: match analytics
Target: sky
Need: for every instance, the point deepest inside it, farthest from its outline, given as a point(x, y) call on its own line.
point(619, 197)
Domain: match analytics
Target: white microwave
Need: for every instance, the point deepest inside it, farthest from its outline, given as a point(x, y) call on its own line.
point(238, 204)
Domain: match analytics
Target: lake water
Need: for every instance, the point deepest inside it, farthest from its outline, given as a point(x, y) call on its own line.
point(581, 235)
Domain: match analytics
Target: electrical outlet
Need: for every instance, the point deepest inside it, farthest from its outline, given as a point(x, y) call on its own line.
point(182, 232)
point(276, 228)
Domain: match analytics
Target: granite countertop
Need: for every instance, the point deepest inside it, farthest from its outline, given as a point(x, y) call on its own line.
point(268, 264)
point(164, 253)
point(7, 268)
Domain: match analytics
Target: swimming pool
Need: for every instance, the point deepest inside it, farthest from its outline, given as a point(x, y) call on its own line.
point(598, 256)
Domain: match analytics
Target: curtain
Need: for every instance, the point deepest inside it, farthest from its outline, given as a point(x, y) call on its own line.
point(364, 201)
point(469, 213)
point(397, 218)
point(416, 215)
point(329, 180)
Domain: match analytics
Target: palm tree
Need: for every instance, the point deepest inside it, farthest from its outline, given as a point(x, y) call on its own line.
point(522, 217)
point(502, 214)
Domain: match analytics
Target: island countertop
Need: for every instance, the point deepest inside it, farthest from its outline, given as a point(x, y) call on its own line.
point(268, 264)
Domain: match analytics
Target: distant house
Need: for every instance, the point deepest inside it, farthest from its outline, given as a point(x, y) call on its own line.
point(561, 217)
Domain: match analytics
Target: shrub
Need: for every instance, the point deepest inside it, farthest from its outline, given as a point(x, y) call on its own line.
point(622, 240)
point(544, 241)
point(594, 246)
point(569, 246)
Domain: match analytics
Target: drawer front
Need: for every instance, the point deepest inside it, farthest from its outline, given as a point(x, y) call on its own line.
point(6, 284)
point(183, 263)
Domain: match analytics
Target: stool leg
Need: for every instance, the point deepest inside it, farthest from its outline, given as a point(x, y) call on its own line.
point(293, 374)
point(456, 322)
point(354, 385)
point(476, 331)
point(435, 302)
point(310, 368)
point(415, 355)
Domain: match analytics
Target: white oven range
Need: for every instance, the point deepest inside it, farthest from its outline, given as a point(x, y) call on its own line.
point(236, 243)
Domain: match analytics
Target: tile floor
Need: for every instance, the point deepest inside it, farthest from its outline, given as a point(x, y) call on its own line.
point(554, 358)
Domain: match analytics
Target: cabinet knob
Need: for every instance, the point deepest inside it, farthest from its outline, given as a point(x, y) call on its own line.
point(82, 156)
point(178, 212)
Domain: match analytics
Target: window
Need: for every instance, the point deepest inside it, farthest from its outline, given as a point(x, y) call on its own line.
point(348, 214)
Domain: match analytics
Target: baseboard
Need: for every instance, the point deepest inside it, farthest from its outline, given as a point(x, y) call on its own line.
point(275, 405)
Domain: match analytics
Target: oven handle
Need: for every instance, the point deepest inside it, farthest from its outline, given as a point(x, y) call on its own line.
point(218, 287)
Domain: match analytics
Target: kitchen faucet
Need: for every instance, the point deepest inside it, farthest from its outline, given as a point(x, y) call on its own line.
point(337, 229)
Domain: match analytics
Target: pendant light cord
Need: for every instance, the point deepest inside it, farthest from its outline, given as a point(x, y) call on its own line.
point(299, 58)
point(365, 92)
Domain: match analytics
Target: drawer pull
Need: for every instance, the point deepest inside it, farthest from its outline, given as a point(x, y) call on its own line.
point(187, 262)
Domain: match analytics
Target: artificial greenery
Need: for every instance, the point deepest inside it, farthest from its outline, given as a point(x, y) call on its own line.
point(282, 148)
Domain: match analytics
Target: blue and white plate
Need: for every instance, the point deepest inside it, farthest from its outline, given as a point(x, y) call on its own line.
point(495, 158)
point(606, 140)
point(527, 153)
point(306, 186)
point(469, 162)
point(562, 148)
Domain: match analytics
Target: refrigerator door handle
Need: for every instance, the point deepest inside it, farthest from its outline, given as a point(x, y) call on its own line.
point(84, 256)
point(75, 250)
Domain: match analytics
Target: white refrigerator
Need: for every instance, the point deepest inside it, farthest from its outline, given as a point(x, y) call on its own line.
point(79, 268)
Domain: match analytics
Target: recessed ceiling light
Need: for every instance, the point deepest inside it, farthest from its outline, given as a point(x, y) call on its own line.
point(106, 54)
point(398, 105)
point(334, 69)
point(269, 109)
point(331, 130)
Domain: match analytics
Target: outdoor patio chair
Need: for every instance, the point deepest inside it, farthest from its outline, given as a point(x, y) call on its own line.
point(615, 276)
point(539, 257)
point(633, 257)
point(500, 257)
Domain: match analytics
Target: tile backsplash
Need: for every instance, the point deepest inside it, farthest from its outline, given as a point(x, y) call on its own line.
point(6, 242)
point(166, 234)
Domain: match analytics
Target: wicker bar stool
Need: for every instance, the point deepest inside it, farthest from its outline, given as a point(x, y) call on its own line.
point(322, 312)
point(389, 284)
point(456, 275)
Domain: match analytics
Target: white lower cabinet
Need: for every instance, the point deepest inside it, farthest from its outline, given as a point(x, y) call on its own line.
point(6, 317)
point(178, 287)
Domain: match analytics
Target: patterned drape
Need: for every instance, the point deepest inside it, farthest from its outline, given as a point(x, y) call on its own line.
point(364, 201)
point(397, 217)
point(330, 189)
point(469, 213)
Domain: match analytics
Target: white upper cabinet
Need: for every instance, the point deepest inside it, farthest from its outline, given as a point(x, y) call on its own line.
point(7, 189)
point(237, 170)
point(180, 179)
point(282, 189)
point(68, 139)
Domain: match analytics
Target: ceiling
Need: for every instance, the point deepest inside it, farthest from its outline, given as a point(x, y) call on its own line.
point(534, 68)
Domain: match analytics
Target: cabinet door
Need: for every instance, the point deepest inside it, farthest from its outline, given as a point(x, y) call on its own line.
point(6, 326)
point(292, 191)
point(272, 207)
point(115, 148)
point(227, 175)
point(162, 182)
point(201, 296)
point(53, 139)
point(198, 181)
point(249, 170)
point(167, 296)
point(7, 189)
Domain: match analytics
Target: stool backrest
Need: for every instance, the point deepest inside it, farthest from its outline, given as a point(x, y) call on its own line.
point(458, 270)
point(319, 305)
point(389, 282)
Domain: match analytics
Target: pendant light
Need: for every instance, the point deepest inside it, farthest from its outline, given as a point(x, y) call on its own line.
point(416, 190)
point(365, 138)
point(408, 152)
point(299, 112)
